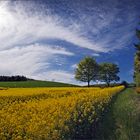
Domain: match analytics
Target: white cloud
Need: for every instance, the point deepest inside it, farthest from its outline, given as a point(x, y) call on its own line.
point(53, 75)
point(18, 28)
point(29, 60)
point(119, 37)
point(74, 66)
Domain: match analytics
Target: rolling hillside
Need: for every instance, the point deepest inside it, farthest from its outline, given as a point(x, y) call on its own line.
point(34, 83)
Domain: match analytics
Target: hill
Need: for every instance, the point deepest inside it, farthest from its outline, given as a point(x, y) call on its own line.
point(34, 83)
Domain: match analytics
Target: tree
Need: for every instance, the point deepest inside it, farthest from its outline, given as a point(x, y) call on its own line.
point(108, 73)
point(124, 83)
point(86, 70)
point(13, 78)
point(137, 61)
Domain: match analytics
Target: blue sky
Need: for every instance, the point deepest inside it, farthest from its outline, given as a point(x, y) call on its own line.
point(45, 39)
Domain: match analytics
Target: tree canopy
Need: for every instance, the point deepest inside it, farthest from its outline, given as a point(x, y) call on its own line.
point(89, 70)
point(137, 60)
point(108, 73)
point(13, 78)
point(86, 70)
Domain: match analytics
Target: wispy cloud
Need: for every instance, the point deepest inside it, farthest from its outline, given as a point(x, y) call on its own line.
point(74, 66)
point(56, 75)
point(89, 27)
point(29, 60)
point(18, 28)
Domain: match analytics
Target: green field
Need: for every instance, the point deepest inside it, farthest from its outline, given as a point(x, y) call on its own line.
point(122, 121)
point(34, 83)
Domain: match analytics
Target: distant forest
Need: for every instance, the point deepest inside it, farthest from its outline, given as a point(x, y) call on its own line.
point(13, 78)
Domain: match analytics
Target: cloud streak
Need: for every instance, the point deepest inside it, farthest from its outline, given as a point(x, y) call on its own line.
point(86, 28)
point(56, 75)
point(26, 60)
point(20, 33)
point(28, 29)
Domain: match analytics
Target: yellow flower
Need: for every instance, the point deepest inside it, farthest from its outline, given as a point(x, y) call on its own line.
point(50, 113)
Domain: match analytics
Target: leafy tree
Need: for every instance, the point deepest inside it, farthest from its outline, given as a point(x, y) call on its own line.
point(137, 60)
point(124, 83)
point(86, 70)
point(13, 78)
point(108, 73)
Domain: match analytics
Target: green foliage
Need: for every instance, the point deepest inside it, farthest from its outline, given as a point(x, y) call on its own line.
point(87, 70)
point(137, 64)
point(137, 46)
point(125, 84)
point(137, 61)
point(108, 73)
point(138, 33)
point(137, 79)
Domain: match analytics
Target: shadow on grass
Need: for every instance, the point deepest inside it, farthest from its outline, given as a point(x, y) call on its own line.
point(107, 125)
point(121, 121)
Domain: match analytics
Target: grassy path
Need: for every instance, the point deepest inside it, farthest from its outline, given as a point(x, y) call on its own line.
point(122, 121)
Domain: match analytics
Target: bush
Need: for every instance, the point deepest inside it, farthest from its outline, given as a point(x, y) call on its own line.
point(137, 79)
point(138, 90)
point(125, 84)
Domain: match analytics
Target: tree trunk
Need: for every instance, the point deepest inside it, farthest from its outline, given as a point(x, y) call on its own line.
point(108, 84)
point(88, 83)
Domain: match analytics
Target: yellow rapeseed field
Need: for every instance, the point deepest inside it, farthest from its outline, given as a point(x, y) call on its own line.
point(51, 113)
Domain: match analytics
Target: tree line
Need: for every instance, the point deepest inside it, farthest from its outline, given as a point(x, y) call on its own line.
point(13, 78)
point(137, 61)
point(89, 70)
